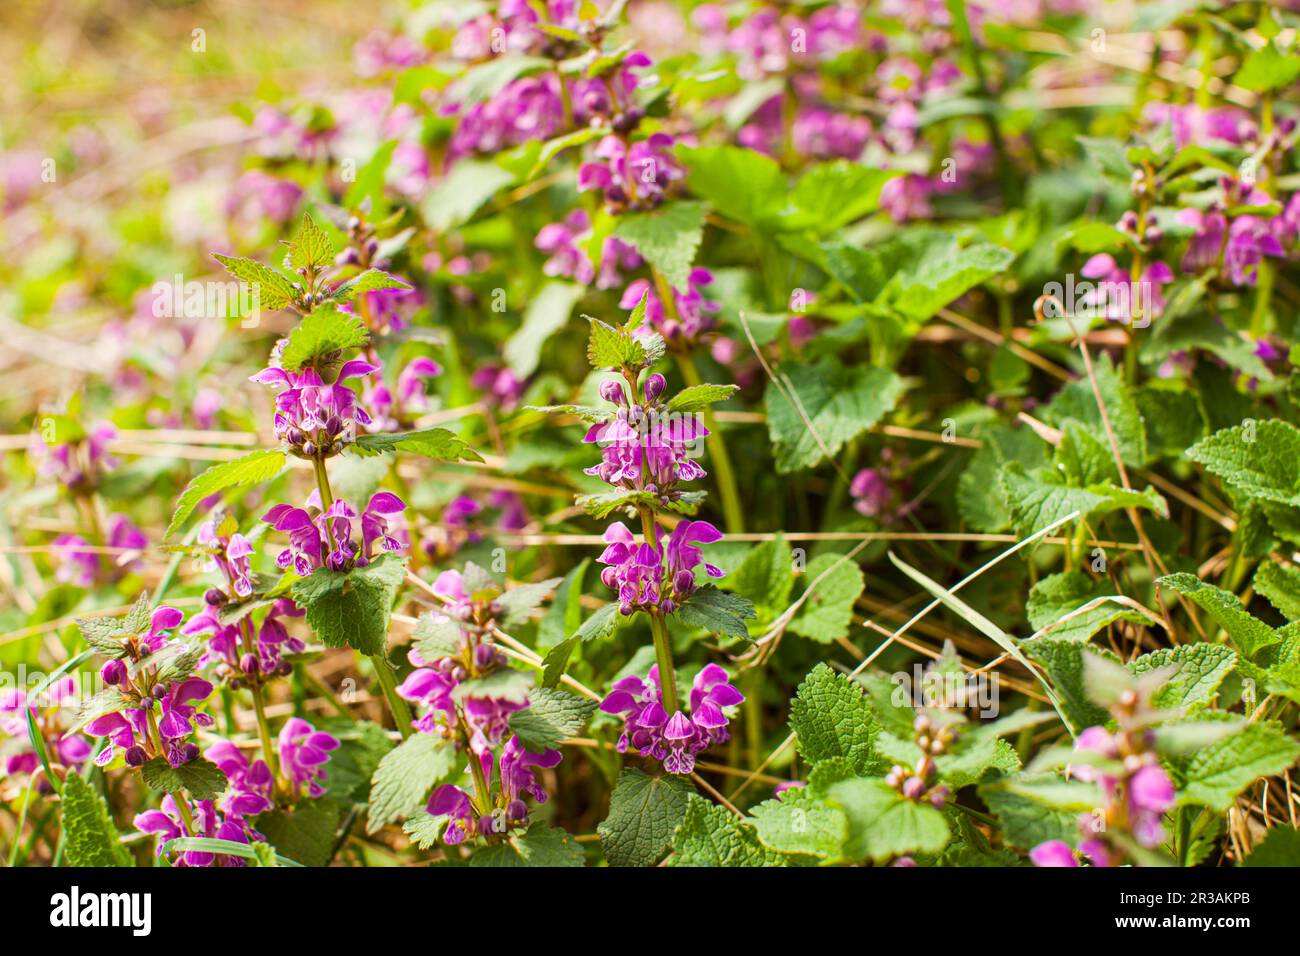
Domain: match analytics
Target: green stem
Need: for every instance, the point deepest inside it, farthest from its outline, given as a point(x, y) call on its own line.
point(396, 705)
point(733, 512)
point(481, 787)
point(259, 707)
point(659, 629)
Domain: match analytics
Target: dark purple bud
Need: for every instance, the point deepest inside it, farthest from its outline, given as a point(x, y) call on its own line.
point(135, 756)
point(913, 787)
point(159, 691)
point(248, 664)
point(113, 673)
point(215, 597)
point(611, 390)
point(654, 386)
point(684, 582)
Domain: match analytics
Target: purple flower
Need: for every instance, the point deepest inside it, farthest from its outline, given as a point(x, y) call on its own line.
point(1122, 300)
point(77, 462)
point(179, 717)
point(455, 804)
point(693, 311)
point(1150, 795)
point(168, 824)
point(304, 751)
point(501, 386)
point(230, 553)
point(252, 787)
point(526, 109)
point(313, 418)
point(631, 177)
point(675, 740)
point(1053, 853)
point(569, 260)
point(516, 779)
point(311, 532)
point(870, 491)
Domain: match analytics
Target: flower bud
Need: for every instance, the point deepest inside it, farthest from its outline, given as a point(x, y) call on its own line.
point(248, 664)
point(654, 386)
point(113, 673)
point(215, 597)
point(913, 787)
point(611, 390)
point(135, 756)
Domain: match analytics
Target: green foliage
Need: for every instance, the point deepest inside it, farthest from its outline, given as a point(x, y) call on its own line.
point(251, 469)
point(710, 835)
point(821, 407)
point(405, 776)
point(201, 779)
point(833, 717)
point(352, 608)
point(436, 444)
point(321, 336)
point(90, 837)
point(551, 716)
point(644, 813)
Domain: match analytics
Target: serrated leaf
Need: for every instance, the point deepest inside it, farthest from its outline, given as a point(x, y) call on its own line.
point(274, 291)
point(1280, 586)
point(1027, 822)
point(322, 335)
point(971, 763)
point(841, 402)
point(608, 347)
point(1200, 669)
point(200, 778)
point(540, 845)
point(884, 825)
point(406, 774)
point(1247, 632)
point(305, 834)
point(798, 822)
point(437, 444)
point(1057, 595)
point(717, 611)
point(372, 280)
point(551, 716)
point(1280, 847)
point(252, 469)
point(352, 608)
point(311, 246)
point(601, 624)
point(696, 398)
point(90, 838)
point(1063, 661)
point(711, 835)
point(833, 717)
point(644, 813)
point(667, 238)
point(1039, 499)
point(827, 614)
point(1256, 458)
point(1222, 770)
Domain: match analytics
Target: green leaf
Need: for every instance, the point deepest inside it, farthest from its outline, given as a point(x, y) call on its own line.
point(600, 625)
point(1027, 822)
point(1256, 458)
point(765, 576)
point(833, 717)
point(551, 716)
point(1280, 586)
point(505, 683)
point(667, 238)
point(883, 824)
point(604, 503)
point(311, 246)
point(274, 291)
point(841, 402)
point(487, 79)
point(437, 444)
point(405, 776)
point(717, 611)
point(372, 280)
point(644, 813)
point(798, 822)
point(306, 834)
point(1057, 595)
point(90, 838)
point(1039, 499)
point(321, 336)
point(541, 845)
point(1222, 770)
point(558, 144)
point(253, 468)
point(1268, 69)
point(547, 313)
point(971, 763)
point(710, 835)
point(828, 612)
point(470, 184)
point(915, 273)
point(1078, 401)
point(1063, 660)
point(696, 398)
point(201, 778)
point(981, 497)
point(352, 608)
point(831, 195)
point(1247, 632)
point(613, 348)
point(1201, 668)
point(557, 658)
point(741, 184)
point(1280, 847)
point(517, 604)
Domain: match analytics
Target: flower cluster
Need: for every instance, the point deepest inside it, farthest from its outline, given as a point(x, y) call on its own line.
point(326, 538)
point(676, 738)
point(153, 696)
point(50, 712)
point(314, 419)
point(918, 783)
